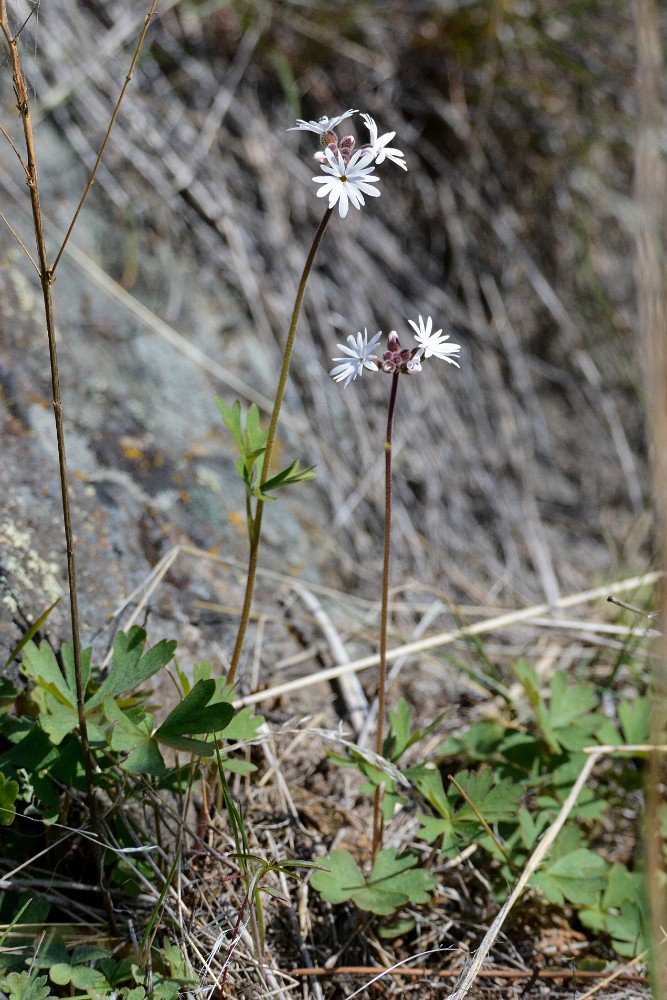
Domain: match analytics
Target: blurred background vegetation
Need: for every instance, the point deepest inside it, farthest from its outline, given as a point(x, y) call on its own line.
point(520, 477)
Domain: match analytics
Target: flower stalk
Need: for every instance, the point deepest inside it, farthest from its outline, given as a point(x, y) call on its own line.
point(358, 356)
point(384, 614)
point(255, 519)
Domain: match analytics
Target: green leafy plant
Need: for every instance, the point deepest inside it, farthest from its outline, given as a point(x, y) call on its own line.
point(394, 880)
point(251, 443)
point(41, 759)
point(620, 910)
point(91, 971)
point(516, 776)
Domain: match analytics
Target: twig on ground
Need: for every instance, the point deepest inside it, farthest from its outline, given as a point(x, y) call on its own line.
point(445, 638)
point(349, 686)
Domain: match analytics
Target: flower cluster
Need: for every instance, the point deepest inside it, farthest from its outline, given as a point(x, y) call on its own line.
point(395, 360)
point(349, 173)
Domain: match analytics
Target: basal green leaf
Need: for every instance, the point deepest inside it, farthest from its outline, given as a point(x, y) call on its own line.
point(187, 744)
point(569, 701)
point(9, 791)
point(428, 782)
point(145, 759)
point(398, 873)
point(622, 886)
point(165, 989)
point(195, 715)
point(480, 741)
point(384, 901)
point(130, 666)
point(495, 799)
point(40, 665)
point(32, 750)
point(144, 755)
point(433, 827)
point(244, 726)
point(236, 766)
point(23, 986)
point(61, 973)
point(525, 674)
point(393, 881)
point(398, 738)
point(634, 717)
point(628, 928)
point(342, 881)
point(620, 911)
point(577, 877)
point(531, 827)
point(83, 954)
point(59, 719)
point(396, 928)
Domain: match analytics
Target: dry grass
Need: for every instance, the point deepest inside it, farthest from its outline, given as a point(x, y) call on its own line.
point(523, 474)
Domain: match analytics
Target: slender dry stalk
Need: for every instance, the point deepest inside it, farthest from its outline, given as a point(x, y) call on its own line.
point(45, 277)
point(91, 179)
point(46, 274)
point(651, 192)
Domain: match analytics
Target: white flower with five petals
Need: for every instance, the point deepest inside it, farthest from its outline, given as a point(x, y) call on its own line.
point(433, 343)
point(323, 124)
point(360, 356)
point(348, 182)
point(379, 146)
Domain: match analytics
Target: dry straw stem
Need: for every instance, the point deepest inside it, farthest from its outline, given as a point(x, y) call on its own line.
point(114, 116)
point(151, 583)
point(350, 687)
point(651, 194)
point(45, 273)
point(446, 638)
point(423, 972)
point(538, 856)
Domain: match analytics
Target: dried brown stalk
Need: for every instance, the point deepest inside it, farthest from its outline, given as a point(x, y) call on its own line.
point(46, 272)
point(651, 277)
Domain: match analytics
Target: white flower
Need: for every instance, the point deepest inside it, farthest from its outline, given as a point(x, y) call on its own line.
point(323, 125)
point(414, 365)
point(379, 147)
point(360, 351)
point(433, 344)
point(347, 180)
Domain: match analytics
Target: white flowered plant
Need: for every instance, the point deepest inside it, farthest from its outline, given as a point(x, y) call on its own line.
point(350, 171)
point(433, 344)
point(379, 146)
point(323, 124)
point(396, 359)
point(360, 356)
point(348, 182)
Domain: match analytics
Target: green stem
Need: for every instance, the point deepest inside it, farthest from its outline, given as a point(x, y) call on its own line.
point(384, 616)
point(256, 524)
